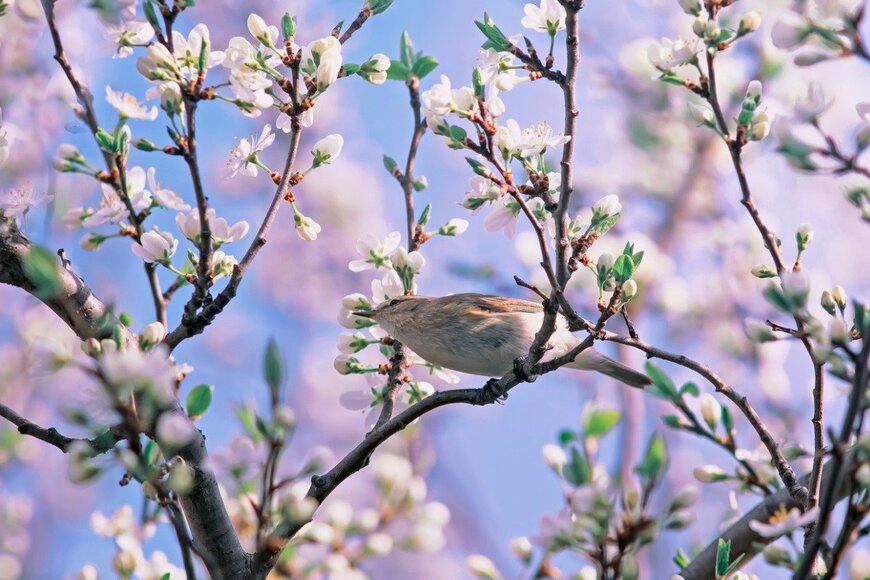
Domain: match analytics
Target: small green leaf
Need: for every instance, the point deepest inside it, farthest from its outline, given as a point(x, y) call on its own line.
point(125, 319)
point(723, 555)
point(150, 453)
point(198, 401)
point(151, 15)
point(623, 268)
point(406, 51)
point(662, 387)
point(378, 6)
point(727, 423)
point(681, 559)
point(397, 71)
point(288, 25)
point(390, 164)
point(577, 471)
point(567, 436)
point(777, 298)
point(672, 421)
point(273, 366)
point(350, 69)
point(425, 215)
point(249, 422)
point(41, 268)
point(599, 423)
point(690, 389)
point(423, 66)
point(495, 38)
point(654, 459)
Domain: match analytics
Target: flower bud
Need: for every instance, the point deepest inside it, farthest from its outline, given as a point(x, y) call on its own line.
point(686, 497)
point(327, 149)
point(91, 347)
point(701, 114)
point(753, 90)
point(692, 7)
point(711, 411)
point(709, 473)
point(180, 478)
point(828, 302)
point(152, 334)
point(763, 271)
point(482, 567)
point(840, 297)
point(758, 331)
point(804, 237)
point(284, 416)
point(796, 286)
point(522, 548)
point(555, 457)
point(124, 563)
point(260, 30)
point(749, 23)
point(839, 331)
point(379, 544)
point(629, 289)
point(344, 364)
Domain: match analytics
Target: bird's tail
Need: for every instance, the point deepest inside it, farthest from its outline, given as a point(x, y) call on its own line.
point(595, 361)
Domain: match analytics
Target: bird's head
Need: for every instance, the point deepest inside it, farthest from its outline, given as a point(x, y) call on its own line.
point(396, 312)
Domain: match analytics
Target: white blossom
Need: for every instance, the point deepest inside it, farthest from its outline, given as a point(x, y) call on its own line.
point(669, 54)
point(175, 430)
point(375, 252)
point(155, 246)
point(164, 197)
point(479, 565)
point(327, 149)
point(243, 155)
point(306, 228)
point(555, 457)
point(548, 17)
point(18, 201)
point(187, 51)
point(127, 35)
point(128, 106)
point(390, 286)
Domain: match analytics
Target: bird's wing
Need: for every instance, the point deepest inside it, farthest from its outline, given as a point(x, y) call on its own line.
point(483, 304)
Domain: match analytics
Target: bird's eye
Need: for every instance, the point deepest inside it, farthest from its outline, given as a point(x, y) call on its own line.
point(394, 301)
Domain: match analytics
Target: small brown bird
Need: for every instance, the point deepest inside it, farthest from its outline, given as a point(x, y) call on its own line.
point(483, 335)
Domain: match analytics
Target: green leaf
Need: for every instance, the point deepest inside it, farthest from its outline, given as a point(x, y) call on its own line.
point(599, 423)
point(390, 164)
point(273, 366)
point(150, 453)
point(397, 71)
point(459, 135)
point(623, 268)
point(723, 554)
point(198, 401)
point(662, 387)
point(249, 422)
point(378, 6)
point(602, 225)
point(425, 215)
point(727, 423)
point(681, 559)
point(654, 459)
point(288, 25)
point(672, 421)
point(777, 298)
point(577, 471)
point(567, 436)
point(690, 389)
point(350, 69)
point(423, 66)
point(41, 268)
point(406, 51)
point(495, 38)
point(125, 319)
point(151, 15)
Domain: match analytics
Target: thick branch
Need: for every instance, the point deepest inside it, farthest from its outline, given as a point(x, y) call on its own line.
point(88, 317)
point(744, 541)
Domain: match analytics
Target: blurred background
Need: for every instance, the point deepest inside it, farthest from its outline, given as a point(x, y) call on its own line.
point(634, 138)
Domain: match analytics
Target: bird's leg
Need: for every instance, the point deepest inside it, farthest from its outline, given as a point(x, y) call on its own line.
point(520, 370)
point(493, 392)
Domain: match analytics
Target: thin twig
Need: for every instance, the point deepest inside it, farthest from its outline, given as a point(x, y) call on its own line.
point(50, 435)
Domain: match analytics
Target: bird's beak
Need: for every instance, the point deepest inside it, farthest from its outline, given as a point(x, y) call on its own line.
point(363, 313)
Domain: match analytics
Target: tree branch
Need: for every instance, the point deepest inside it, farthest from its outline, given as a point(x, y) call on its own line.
point(744, 541)
point(50, 435)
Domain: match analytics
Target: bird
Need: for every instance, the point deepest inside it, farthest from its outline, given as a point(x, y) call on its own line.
point(481, 334)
